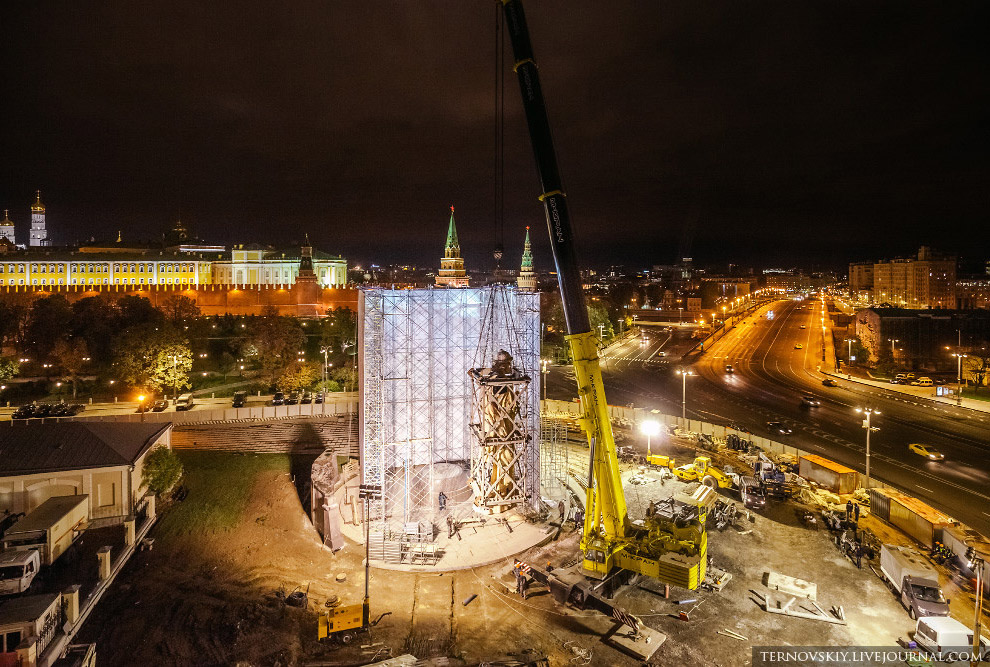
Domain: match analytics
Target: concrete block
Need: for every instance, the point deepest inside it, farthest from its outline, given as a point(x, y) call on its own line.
point(792, 586)
point(70, 598)
point(103, 554)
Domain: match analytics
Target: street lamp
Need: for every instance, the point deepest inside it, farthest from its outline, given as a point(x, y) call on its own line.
point(141, 406)
point(976, 563)
point(175, 380)
point(959, 357)
point(684, 377)
point(866, 424)
point(649, 428)
point(892, 341)
point(324, 350)
point(545, 370)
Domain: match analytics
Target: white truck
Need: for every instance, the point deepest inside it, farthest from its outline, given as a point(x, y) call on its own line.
point(50, 528)
point(910, 575)
point(17, 570)
point(949, 639)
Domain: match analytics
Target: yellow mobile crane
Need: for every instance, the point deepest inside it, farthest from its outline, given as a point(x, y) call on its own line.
point(671, 549)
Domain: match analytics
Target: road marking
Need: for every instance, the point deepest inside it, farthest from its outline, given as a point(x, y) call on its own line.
point(923, 488)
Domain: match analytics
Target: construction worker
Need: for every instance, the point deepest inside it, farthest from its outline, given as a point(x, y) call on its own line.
point(856, 512)
point(849, 510)
point(859, 555)
point(443, 501)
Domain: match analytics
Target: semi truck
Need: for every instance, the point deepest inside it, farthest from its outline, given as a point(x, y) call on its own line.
point(911, 577)
point(50, 529)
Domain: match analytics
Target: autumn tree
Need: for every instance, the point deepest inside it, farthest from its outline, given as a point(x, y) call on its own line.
point(49, 322)
point(156, 358)
point(298, 375)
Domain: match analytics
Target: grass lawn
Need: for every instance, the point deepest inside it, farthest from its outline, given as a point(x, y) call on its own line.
point(219, 488)
point(982, 395)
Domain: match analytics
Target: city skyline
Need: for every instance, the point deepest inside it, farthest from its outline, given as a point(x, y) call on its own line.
point(798, 140)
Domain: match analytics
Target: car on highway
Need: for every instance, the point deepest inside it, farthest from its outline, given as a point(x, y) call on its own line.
point(798, 346)
point(810, 401)
point(778, 428)
point(829, 382)
point(159, 405)
point(926, 451)
point(729, 368)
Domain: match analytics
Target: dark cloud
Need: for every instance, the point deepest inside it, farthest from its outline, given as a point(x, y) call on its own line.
point(770, 130)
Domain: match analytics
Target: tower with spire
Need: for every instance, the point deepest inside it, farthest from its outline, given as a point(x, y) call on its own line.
point(39, 234)
point(452, 272)
point(527, 277)
point(7, 228)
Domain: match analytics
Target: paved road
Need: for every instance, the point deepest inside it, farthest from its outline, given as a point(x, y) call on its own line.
point(770, 377)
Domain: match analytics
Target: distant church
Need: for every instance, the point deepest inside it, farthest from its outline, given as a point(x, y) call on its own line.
point(452, 265)
point(37, 235)
point(526, 280)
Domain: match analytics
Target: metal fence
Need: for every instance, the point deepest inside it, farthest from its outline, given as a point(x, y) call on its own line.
point(221, 414)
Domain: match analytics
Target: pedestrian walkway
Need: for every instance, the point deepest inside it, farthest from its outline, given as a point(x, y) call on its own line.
point(926, 393)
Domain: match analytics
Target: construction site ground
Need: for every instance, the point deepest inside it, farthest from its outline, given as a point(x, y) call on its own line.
point(207, 592)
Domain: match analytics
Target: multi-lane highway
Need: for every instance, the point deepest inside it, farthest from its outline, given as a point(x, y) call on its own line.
point(775, 359)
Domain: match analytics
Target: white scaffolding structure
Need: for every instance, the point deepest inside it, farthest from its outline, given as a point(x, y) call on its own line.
point(553, 458)
point(415, 349)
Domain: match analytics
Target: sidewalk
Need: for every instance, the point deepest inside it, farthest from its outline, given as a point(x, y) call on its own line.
point(927, 393)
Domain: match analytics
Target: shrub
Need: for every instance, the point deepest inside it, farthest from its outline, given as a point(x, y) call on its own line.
point(162, 470)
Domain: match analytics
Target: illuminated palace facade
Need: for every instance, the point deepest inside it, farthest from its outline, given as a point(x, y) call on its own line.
point(242, 266)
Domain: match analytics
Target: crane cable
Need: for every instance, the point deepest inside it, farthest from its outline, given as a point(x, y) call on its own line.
point(499, 146)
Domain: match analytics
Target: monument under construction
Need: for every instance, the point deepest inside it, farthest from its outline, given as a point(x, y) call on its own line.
point(449, 417)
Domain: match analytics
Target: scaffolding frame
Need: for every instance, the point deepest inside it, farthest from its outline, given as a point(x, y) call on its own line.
point(415, 350)
point(553, 458)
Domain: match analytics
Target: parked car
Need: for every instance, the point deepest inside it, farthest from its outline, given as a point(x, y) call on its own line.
point(829, 382)
point(944, 634)
point(939, 381)
point(923, 382)
point(779, 428)
point(240, 398)
point(803, 327)
point(926, 451)
point(751, 493)
point(42, 410)
point(76, 408)
point(160, 405)
point(307, 398)
point(59, 410)
point(278, 398)
point(798, 346)
point(729, 368)
point(292, 399)
point(23, 412)
point(318, 397)
point(184, 402)
point(810, 401)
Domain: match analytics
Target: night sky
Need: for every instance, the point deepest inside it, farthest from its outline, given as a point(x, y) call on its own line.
point(755, 132)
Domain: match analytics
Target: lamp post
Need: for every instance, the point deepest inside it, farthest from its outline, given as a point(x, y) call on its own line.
point(892, 350)
point(324, 351)
point(141, 406)
point(976, 563)
point(368, 492)
point(959, 357)
point(175, 379)
point(545, 371)
point(866, 424)
point(684, 377)
point(649, 428)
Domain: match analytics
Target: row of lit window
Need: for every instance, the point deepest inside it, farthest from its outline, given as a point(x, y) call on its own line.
point(98, 281)
point(100, 268)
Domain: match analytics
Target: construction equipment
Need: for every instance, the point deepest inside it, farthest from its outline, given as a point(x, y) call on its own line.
point(343, 623)
point(659, 461)
point(610, 539)
point(701, 469)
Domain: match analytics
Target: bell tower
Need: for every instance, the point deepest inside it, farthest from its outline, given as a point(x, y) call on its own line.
point(452, 272)
point(39, 234)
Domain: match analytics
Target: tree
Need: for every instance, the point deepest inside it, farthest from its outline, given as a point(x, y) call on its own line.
point(8, 368)
point(599, 316)
point(339, 330)
point(226, 365)
point(298, 375)
point(178, 308)
point(155, 358)
point(14, 318)
point(49, 322)
point(346, 377)
point(71, 355)
point(977, 366)
point(277, 342)
point(136, 310)
point(162, 470)
point(96, 320)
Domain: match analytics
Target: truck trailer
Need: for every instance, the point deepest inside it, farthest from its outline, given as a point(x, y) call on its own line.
point(914, 580)
point(50, 529)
